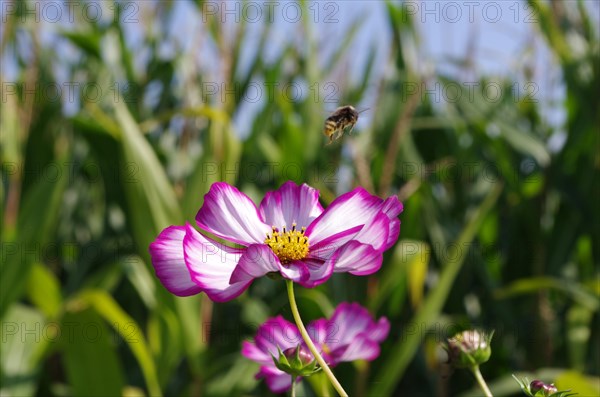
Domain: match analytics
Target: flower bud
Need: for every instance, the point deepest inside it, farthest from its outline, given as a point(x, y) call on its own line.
point(537, 388)
point(546, 390)
point(469, 348)
point(298, 353)
point(296, 361)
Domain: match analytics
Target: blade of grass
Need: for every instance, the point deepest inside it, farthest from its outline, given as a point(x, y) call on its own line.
point(43, 290)
point(152, 201)
point(532, 285)
point(128, 329)
point(91, 361)
point(20, 354)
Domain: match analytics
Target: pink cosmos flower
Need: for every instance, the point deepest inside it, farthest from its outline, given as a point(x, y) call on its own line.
point(351, 334)
point(289, 233)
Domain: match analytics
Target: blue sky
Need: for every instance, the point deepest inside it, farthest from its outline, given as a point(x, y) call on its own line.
point(499, 37)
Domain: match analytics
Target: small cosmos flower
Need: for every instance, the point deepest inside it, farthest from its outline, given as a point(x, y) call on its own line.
point(288, 234)
point(350, 334)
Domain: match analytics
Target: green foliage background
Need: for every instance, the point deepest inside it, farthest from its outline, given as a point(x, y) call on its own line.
point(513, 245)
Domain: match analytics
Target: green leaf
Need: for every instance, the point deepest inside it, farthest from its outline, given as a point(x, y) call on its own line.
point(24, 336)
point(578, 383)
point(91, 362)
point(417, 271)
point(221, 163)
point(43, 289)
point(187, 312)
point(38, 216)
point(89, 42)
point(238, 376)
point(151, 198)
point(138, 274)
point(319, 298)
point(530, 285)
point(254, 311)
point(548, 24)
point(11, 129)
point(166, 340)
point(128, 329)
point(210, 113)
point(524, 142)
point(579, 330)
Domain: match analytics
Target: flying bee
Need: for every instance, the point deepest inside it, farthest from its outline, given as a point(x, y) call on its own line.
point(342, 118)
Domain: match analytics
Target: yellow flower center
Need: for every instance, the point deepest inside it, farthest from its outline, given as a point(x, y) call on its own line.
point(288, 245)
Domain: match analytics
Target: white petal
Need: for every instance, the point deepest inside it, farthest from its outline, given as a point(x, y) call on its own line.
point(257, 261)
point(319, 272)
point(361, 348)
point(291, 203)
point(231, 215)
point(211, 265)
point(344, 218)
point(375, 232)
point(356, 258)
point(167, 258)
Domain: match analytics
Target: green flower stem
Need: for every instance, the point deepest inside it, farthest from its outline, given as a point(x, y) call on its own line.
point(311, 346)
point(293, 386)
point(481, 381)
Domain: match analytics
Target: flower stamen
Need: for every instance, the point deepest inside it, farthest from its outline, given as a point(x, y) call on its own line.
point(293, 244)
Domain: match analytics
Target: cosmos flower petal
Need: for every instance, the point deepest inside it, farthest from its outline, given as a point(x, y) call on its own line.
point(355, 216)
point(277, 380)
point(211, 265)
point(257, 260)
point(361, 348)
point(392, 207)
point(393, 234)
point(350, 320)
point(347, 212)
point(296, 271)
point(379, 331)
point(356, 258)
point(167, 258)
point(231, 215)
point(291, 203)
point(319, 272)
point(318, 331)
point(252, 352)
point(325, 248)
point(375, 232)
point(277, 332)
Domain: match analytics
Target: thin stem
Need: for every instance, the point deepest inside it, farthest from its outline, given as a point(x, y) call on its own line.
point(293, 386)
point(481, 381)
point(311, 346)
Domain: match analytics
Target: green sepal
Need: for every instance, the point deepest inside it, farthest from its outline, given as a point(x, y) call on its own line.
point(466, 352)
point(293, 365)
